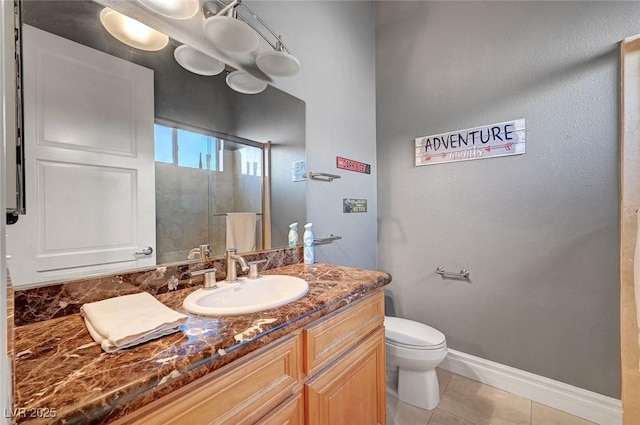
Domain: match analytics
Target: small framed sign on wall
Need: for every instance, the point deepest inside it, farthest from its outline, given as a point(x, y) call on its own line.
point(298, 170)
point(350, 205)
point(488, 141)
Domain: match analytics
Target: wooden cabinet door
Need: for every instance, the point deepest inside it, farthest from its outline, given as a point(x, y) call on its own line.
point(290, 412)
point(351, 390)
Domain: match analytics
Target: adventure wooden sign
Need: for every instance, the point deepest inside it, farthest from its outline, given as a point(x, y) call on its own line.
point(505, 138)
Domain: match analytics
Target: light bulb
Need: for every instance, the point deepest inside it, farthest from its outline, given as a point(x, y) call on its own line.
point(132, 32)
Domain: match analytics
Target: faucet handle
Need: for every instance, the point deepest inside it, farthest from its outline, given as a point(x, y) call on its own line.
point(205, 251)
point(209, 277)
point(253, 269)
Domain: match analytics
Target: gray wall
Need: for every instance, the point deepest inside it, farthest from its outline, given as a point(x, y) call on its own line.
point(539, 232)
point(335, 42)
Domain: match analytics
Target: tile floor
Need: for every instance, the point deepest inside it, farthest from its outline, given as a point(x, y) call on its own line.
point(467, 402)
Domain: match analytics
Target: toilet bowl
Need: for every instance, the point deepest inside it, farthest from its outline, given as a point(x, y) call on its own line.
point(414, 350)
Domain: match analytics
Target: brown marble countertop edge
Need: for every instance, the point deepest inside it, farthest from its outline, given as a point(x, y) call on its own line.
point(119, 401)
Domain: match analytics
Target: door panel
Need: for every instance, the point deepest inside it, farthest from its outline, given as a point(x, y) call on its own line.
point(109, 229)
point(88, 124)
point(91, 108)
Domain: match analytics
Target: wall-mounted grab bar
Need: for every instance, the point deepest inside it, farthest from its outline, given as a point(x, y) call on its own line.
point(325, 177)
point(258, 215)
point(462, 274)
point(330, 239)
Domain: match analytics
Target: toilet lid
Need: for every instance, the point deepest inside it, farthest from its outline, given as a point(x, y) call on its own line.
point(408, 332)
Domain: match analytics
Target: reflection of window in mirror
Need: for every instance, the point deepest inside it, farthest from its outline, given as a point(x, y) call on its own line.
point(251, 160)
point(187, 148)
point(163, 140)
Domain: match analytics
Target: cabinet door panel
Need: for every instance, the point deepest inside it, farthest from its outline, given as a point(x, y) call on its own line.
point(333, 336)
point(291, 412)
point(351, 390)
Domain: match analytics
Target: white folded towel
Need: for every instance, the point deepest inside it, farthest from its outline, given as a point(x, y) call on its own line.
point(121, 322)
point(241, 231)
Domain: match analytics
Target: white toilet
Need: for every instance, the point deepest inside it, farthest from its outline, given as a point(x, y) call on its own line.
point(414, 350)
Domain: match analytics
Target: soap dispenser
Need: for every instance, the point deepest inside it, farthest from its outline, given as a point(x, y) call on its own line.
point(307, 240)
point(293, 234)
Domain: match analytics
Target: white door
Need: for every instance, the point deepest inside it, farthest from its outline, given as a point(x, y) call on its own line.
point(89, 161)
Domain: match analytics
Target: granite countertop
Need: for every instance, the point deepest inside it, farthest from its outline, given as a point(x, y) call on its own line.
point(63, 376)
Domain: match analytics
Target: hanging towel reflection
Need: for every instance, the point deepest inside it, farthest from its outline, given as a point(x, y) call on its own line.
point(241, 231)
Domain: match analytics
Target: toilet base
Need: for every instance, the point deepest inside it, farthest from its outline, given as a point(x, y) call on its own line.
point(419, 388)
point(392, 381)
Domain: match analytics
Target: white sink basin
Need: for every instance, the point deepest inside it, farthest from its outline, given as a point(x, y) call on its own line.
point(246, 295)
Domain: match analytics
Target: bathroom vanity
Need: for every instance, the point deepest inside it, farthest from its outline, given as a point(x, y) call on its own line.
point(318, 360)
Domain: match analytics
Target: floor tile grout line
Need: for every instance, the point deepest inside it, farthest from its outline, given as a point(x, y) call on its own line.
point(456, 416)
point(448, 382)
point(481, 383)
point(443, 393)
point(452, 414)
point(531, 414)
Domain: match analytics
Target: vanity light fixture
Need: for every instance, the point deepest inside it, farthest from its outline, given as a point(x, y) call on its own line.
point(175, 9)
point(246, 83)
point(234, 27)
point(278, 62)
point(197, 62)
point(225, 31)
point(132, 32)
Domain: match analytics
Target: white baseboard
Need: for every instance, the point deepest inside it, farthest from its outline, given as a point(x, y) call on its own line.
point(586, 404)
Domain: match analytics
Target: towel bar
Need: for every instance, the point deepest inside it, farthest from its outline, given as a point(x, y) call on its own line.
point(325, 177)
point(331, 238)
point(225, 214)
point(462, 274)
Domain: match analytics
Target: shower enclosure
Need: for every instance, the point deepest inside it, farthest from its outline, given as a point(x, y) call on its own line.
point(202, 176)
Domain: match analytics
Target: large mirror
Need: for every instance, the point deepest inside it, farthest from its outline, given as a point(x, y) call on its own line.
point(216, 153)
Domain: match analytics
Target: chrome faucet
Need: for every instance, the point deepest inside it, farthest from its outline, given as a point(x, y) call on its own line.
point(209, 277)
point(202, 252)
point(232, 259)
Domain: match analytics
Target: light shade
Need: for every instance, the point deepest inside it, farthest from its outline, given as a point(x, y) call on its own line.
point(277, 63)
point(176, 9)
point(131, 32)
point(243, 82)
point(197, 62)
point(230, 34)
